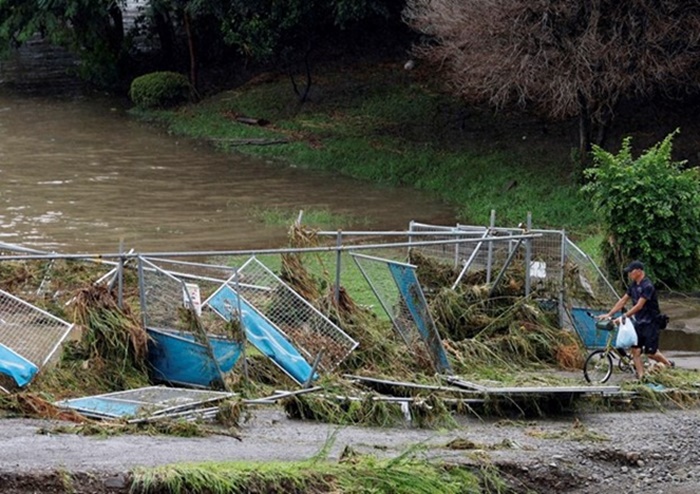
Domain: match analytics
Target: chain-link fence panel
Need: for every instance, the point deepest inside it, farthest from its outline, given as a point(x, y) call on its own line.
point(545, 272)
point(173, 300)
point(400, 294)
point(490, 249)
point(554, 268)
point(477, 252)
point(306, 327)
point(189, 345)
point(148, 402)
point(588, 293)
point(164, 299)
point(457, 253)
point(585, 282)
point(208, 274)
point(29, 331)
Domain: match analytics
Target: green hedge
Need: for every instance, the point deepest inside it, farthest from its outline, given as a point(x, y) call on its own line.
point(160, 90)
point(650, 207)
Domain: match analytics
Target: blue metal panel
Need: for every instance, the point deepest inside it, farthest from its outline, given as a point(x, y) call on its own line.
point(102, 406)
point(150, 401)
point(21, 370)
point(177, 358)
point(262, 334)
point(407, 283)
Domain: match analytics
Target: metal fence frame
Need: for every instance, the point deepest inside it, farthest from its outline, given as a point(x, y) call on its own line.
point(546, 256)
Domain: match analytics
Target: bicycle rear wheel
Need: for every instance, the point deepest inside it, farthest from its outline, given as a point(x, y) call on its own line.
point(598, 367)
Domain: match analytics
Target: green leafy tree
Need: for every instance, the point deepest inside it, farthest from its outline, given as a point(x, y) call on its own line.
point(650, 207)
point(199, 20)
point(287, 31)
point(264, 28)
point(92, 29)
point(284, 32)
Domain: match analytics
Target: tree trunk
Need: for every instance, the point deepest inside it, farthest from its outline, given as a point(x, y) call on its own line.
point(166, 37)
point(604, 125)
point(302, 96)
point(190, 47)
point(584, 131)
point(116, 35)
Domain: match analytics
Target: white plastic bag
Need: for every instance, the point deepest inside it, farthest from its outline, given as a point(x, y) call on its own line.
point(626, 335)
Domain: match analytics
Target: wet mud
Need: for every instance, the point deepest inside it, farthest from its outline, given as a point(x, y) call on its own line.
point(576, 453)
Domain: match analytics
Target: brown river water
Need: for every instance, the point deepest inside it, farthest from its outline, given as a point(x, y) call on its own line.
point(80, 175)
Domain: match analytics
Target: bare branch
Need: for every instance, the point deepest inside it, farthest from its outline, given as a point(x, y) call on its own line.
point(560, 56)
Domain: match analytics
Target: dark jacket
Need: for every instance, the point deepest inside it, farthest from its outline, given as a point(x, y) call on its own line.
point(644, 289)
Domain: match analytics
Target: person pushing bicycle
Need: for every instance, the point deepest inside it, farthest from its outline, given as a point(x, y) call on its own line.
point(645, 310)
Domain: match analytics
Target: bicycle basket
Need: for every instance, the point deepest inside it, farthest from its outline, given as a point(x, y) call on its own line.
point(587, 327)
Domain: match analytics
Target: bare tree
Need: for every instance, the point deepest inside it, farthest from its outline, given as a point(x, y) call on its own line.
point(564, 58)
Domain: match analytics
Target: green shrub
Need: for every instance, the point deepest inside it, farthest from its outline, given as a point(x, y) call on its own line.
point(651, 211)
point(159, 90)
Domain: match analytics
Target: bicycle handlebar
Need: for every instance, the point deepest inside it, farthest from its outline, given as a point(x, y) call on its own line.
point(590, 314)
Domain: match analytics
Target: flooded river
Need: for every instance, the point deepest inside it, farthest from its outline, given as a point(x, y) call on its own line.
point(80, 175)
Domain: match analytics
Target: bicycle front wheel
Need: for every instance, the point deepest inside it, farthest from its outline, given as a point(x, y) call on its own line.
point(598, 367)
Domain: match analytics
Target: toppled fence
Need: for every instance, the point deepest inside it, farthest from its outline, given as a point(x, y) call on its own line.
point(305, 326)
point(183, 349)
point(147, 403)
point(553, 267)
point(29, 337)
point(401, 296)
point(220, 308)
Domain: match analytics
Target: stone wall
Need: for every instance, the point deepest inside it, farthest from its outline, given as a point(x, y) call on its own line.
point(39, 65)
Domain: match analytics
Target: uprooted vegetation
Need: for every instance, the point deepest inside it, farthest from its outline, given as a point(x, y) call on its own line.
point(492, 335)
point(353, 473)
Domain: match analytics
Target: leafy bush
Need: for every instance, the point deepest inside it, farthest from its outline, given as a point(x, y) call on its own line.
point(651, 210)
point(159, 90)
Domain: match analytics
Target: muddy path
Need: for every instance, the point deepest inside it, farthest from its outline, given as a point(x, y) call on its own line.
point(649, 452)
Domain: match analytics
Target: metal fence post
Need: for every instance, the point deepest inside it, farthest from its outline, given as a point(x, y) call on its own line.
point(338, 255)
point(528, 255)
point(489, 258)
point(236, 282)
point(456, 249)
point(562, 278)
point(120, 276)
point(142, 294)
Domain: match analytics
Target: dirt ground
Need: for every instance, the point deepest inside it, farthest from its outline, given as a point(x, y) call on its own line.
point(647, 452)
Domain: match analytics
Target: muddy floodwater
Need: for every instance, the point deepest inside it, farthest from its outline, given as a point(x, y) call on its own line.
point(80, 175)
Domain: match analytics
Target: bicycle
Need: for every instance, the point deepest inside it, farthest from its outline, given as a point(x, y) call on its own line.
point(599, 365)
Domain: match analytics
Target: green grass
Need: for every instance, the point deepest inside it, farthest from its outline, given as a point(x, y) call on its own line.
point(377, 124)
point(591, 245)
point(357, 475)
point(322, 266)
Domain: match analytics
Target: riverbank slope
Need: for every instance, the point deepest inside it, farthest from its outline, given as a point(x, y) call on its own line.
point(378, 122)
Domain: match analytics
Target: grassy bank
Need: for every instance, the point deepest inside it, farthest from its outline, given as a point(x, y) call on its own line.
point(383, 124)
point(354, 474)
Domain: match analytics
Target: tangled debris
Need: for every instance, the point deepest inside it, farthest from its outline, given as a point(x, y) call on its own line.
point(492, 334)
